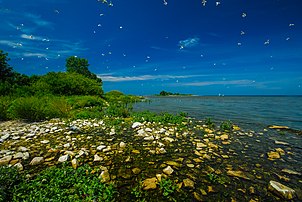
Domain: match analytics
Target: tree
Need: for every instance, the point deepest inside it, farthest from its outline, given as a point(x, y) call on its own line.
point(6, 71)
point(80, 66)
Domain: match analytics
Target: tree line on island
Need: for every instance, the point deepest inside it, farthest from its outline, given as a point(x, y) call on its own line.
point(165, 93)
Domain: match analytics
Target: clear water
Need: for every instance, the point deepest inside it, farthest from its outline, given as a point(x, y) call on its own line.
point(248, 111)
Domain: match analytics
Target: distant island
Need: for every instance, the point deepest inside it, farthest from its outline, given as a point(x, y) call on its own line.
point(165, 93)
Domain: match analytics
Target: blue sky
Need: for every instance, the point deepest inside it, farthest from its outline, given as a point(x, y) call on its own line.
point(230, 47)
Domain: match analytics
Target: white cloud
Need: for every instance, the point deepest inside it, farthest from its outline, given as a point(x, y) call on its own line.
point(210, 83)
point(111, 78)
point(189, 42)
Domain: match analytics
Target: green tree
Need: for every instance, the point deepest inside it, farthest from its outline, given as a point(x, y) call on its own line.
point(80, 66)
point(6, 71)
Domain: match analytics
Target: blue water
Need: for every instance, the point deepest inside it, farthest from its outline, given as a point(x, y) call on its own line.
point(249, 111)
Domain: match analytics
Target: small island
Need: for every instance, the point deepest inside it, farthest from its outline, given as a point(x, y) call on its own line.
point(165, 93)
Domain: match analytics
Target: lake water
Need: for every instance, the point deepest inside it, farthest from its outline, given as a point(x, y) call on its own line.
point(248, 111)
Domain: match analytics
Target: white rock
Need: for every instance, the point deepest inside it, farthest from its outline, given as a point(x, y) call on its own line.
point(4, 137)
point(162, 130)
point(149, 138)
point(36, 161)
point(45, 141)
point(168, 139)
point(19, 166)
point(22, 149)
point(101, 147)
point(25, 156)
point(136, 124)
point(63, 158)
point(168, 170)
point(122, 144)
point(141, 132)
point(96, 125)
point(281, 190)
point(97, 158)
point(67, 145)
point(18, 155)
point(148, 130)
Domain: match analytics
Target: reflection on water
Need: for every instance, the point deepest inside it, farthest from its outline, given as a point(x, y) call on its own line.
point(248, 111)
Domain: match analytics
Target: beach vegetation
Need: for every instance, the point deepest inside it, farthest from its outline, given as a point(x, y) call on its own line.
point(226, 125)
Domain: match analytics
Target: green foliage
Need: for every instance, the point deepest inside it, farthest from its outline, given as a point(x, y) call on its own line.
point(66, 84)
point(226, 125)
point(9, 178)
point(65, 184)
point(78, 102)
point(162, 117)
point(4, 105)
point(167, 187)
point(38, 108)
point(80, 66)
point(213, 178)
point(209, 123)
point(6, 71)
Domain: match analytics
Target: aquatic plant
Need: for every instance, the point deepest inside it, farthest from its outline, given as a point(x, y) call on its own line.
point(167, 187)
point(226, 125)
point(209, 123)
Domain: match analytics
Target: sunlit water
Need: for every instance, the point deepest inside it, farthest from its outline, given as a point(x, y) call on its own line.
point(251, 112)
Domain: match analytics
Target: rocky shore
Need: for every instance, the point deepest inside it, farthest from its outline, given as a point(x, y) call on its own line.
point(206, 164)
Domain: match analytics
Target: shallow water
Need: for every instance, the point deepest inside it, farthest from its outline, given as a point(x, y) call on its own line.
point(248, 111)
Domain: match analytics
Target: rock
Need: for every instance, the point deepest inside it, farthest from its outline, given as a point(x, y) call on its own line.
point(45, 141)
point(273, 155)
point(149, 183)
point(168, 170)
point(101, 147)
point(291, 172)
point(148, 130)
point(136, 124)
point(224, 137)
point(105, 176)
point(190, 165)
point(70, 153)
point(161, 151)
point(122, 145)
point(97, 158)
point(278, 127)
point(107, 149)
point(25, 156)
point(6, 136)
point(136, 171)
point(135, 151)
point(281, 190)
point(239, 174)
point(67, 145)
point(281, 143)
point(74, 163)
point(63, 158)
point(200, 145)
point(173, 163)
point(188, 183)
point(5, 160)
point(197, 196)
point(36, 161)
point(168, 139)
point(18, 155)
point(19, 166)
point(22, 149)
point(149, 138)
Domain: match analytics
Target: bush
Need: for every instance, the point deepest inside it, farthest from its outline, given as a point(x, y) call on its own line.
point(4, 105)
point(65, 184)
point(38, 108)
point(9, 178)
point(78, 102)
point(66, 84)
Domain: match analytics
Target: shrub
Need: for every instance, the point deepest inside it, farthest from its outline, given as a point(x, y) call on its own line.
point(4, 105)
point(67, 84)
point(78, 102)
point(9, 178)
point(38, 108)
point(65, 184)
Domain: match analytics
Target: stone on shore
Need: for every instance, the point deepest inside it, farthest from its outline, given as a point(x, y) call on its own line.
point(168, 170)
point(36, 161)
point(150, 183)
point(63, 158)
point(136, 124)
point(5, 160)
point(74, 163)
point(188, 183)
point(281, 190)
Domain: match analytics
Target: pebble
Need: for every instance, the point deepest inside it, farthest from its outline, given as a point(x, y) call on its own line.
point(168, 170)
point(36, 161)
point(150, 183)
point(63, 158)
point(188, 183)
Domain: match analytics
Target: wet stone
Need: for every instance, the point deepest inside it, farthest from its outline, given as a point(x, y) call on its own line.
point(239, 174)
point(188, 183)
point(136, 171)
point(273, 155)
point(149, 183)
point(168, 170)
point(281, 190)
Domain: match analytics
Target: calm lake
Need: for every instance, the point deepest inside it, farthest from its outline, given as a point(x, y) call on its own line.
point(251, 112)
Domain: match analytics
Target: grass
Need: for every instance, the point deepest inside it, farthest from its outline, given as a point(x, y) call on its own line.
point(55, 184)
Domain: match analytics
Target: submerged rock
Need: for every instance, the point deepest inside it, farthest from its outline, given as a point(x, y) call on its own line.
point(150, 183)
point(281, 190)
point(273, 155)
point(239, 174)
point(188, 183)
point(291, 172)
